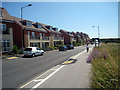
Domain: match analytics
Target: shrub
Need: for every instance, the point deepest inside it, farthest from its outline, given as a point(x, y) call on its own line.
point(15, 49)
point(78, 44)
point(95, 54)
point(83, 44)
point(52, 48)
point(55, 47)
point(46, 49)
point(74, 43)
point(20, 52)
point(60, 42)
point(49, 48)
point(59, 45)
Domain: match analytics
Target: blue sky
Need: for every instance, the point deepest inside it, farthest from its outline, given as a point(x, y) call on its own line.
point(71, 16)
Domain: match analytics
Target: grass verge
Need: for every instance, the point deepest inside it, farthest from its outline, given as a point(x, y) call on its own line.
point(104, 60)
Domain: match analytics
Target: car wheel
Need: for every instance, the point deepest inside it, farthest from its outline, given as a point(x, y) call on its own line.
point(42, 53)
point(33, 55)
point(24, 56)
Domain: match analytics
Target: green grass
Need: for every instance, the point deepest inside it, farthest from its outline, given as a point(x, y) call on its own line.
point(105, 71)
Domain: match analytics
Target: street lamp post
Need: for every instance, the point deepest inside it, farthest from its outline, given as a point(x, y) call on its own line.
point(22, 32)
point(98, 34)
point(98, 31)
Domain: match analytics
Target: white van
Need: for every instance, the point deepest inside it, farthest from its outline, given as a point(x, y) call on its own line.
point(33, 51)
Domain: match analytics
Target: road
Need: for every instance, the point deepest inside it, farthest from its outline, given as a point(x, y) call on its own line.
point(18, 71)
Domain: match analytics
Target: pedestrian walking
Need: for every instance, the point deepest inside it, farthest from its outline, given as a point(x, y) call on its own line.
point(95, 44)
point(87, 47)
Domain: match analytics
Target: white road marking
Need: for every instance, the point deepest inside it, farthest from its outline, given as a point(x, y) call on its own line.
point(53, 69)
point(38, 80)
point(47, 77)
point(78, 54)
point(33, 79)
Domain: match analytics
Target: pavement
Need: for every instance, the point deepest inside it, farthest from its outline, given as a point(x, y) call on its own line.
point(73, 73)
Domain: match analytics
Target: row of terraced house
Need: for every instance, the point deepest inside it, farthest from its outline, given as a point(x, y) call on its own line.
point(25, 33)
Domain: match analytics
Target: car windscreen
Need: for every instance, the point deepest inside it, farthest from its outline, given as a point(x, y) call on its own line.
point(38, 49)
point(28, 49)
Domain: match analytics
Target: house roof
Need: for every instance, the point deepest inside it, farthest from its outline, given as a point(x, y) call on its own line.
point(66, 32)
point(51, 31)
point(5, 15)
point(75, 34)
point(16, 19)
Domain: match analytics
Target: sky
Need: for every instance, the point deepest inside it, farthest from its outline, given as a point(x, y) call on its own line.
point(71, 16)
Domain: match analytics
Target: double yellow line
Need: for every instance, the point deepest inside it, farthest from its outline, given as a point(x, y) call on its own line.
point(11, 57)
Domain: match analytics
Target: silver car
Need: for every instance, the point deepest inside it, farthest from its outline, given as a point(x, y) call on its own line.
point(33, 51)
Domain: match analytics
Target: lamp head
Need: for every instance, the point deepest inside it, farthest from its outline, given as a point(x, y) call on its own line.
point(29, 4)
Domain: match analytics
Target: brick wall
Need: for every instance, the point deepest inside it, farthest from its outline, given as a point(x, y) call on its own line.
point(17, 37)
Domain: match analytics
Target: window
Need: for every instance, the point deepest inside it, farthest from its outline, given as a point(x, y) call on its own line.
point(35, 44)
point(50, 28)
point(43, 35)
point(5, 45)
point(40, 34)
point(28, 33)
point(39, 26)
point(31, 44)
point(55, 29)
point(33, 35)
point(43, 44)
point(3, 27)
point(28, 49)
point(29, 24)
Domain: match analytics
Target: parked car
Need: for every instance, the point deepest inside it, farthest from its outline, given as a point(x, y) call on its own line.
point(33, 51)
point(62, 48)
point(70, 46)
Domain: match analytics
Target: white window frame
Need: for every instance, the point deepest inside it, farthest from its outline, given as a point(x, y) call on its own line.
point(6, 47)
